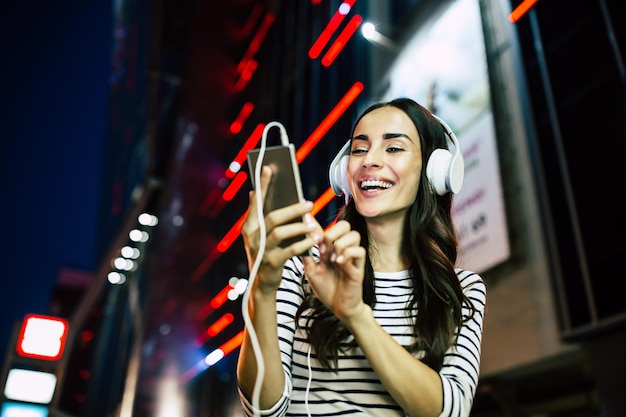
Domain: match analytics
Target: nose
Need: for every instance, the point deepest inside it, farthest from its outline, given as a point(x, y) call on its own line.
point(372, 158)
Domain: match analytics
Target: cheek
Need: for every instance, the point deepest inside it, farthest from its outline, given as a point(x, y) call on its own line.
point(410, 171)
point(352, 168)
point(412, 176)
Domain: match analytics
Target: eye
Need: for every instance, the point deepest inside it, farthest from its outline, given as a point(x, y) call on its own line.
point(358, 151)
point(394, 149)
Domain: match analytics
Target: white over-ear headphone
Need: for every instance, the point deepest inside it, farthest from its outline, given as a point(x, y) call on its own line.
point(444, 170)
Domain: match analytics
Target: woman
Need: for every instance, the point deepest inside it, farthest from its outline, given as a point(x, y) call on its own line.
point(378, 322)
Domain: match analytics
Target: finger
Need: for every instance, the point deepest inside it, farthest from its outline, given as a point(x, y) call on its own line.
point(345, 242)
point(352, 260)
point(331, 235)
point(288, 223)
point(251, 221)
point(337, 230)
point(279, 255)
point(305, 233)
point(309, 264)
point(288, 231)
point(291, 213)
point(351, 238)
point(266, 176)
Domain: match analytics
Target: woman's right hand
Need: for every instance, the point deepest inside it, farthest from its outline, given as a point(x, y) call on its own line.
point(278, 226)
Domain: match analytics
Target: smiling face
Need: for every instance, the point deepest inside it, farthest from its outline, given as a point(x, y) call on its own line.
point(385, 164)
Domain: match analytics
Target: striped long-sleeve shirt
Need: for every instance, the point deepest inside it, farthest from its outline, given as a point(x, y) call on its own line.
point(355, 390)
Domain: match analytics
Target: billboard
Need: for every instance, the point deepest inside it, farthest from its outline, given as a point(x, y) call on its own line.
point(443, 66)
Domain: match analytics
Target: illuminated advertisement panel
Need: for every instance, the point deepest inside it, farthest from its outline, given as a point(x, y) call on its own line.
point(443, 66)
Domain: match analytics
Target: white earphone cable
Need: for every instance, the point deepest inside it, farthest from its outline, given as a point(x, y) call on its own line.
point(256, 392)
point(308, 384)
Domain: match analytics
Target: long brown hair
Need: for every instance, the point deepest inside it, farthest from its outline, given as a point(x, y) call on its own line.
point(430, 245)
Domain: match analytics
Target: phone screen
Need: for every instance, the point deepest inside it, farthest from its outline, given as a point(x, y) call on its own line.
point(285, 187)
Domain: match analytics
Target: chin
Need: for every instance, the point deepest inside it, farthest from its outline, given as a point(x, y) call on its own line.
point(369, 211)
point(375, 211)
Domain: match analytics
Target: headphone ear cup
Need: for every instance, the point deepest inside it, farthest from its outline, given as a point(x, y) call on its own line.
point(339, 177)
point(456, 173)
point(338, 172)
point(445, 171)
point(437, 170)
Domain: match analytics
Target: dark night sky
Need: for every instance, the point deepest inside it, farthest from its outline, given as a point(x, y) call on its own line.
point(56, 58)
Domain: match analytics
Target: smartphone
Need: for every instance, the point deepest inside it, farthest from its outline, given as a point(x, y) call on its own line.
point(285, 187)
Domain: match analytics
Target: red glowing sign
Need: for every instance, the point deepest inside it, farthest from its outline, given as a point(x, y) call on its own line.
point(42, 337)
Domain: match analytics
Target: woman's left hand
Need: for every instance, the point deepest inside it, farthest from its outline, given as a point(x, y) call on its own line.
point(337, 279)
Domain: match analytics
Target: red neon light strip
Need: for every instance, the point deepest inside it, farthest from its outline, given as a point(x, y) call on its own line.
point(328, 31)
point(323, 200)
point(230, 345)
point(341, 41)
point(521, 10)
point(244, 113)
point(215, 329)
point(257, 40)
point(329, 121)
point(232, 234)
point(234, 186)
point(253, 139)
point(246, 75)
point(220, 324)
point(215, 303)
point(221, 297)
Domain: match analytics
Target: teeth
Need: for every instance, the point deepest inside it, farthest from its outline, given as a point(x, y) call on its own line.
point(375, 183)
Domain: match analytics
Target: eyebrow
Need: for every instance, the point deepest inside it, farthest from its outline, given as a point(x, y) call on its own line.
point(385, 136)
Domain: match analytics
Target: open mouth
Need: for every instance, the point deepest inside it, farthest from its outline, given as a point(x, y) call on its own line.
point(369, 185)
